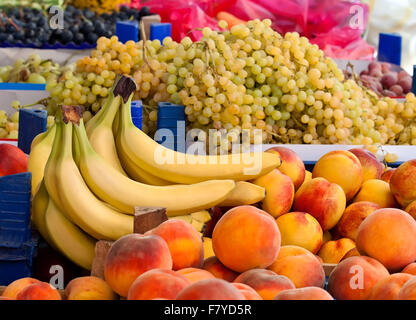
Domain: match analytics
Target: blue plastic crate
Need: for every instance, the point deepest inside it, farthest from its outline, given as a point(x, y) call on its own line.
point(15, 193)
point(127, 30)
point(31, 123)
point(390, 48)
point(169, 123)
point(16, 263)
point(160, 31)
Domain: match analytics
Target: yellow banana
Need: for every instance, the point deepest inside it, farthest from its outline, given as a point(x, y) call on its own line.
point(39, 155)
point(124, 194)
point(38, 139)
point(244, 193)
point(187, 168)
point(76, 245)
point(84, 209)
point(39, 204)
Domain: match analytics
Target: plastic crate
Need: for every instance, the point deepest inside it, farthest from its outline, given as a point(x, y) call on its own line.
point(16, 263)
point(15, 193)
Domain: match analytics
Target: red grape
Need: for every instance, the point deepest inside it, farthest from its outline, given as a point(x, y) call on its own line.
point(398, 90)
point(406, 84)
point(389, 79)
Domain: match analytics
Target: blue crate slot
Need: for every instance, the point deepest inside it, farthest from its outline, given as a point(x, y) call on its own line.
point(16, 263)
point(168, 123)
point(390, 48)
point(160, 31)
point(15, 193)
point(127, 30)
point(138, 122)
point(31, 123)
point(171, 111)
point(22, 86)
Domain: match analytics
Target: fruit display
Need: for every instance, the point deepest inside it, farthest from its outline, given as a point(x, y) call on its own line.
point(29, 27)
point(384, 81)
point(249, 77)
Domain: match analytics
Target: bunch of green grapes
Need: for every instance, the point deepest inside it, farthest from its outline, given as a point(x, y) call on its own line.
point(246, 78)
point(9, 127)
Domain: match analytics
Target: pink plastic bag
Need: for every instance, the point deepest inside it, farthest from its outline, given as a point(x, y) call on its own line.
point(325, 22)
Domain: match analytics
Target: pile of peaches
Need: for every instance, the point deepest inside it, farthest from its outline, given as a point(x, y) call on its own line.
point(350, 211)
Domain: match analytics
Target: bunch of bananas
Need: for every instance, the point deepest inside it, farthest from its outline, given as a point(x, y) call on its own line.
point(88, 179)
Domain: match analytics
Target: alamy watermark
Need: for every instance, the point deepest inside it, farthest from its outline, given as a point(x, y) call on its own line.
point(57, 17)
point(357, 20)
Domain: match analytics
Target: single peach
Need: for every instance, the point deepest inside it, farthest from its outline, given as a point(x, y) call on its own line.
point(353, 216)
point(388, 236)
point(184, 242)
point(210, 289)
point(307, 293)
point(265, 282)
point(355, 277)
point(132, 255)
point(292, 165)
point(408, 291)
point(157, 283)
point(351, 253)
point(323, 200)
point(195, 274)
point(14, 288)
point(343, 168)
point(402, 183)
point(300, 229)
point(39, 291)
point(214, 266)
point(386, 176)
point(300, 266)
point(410, 269)
point(334, 251)
point(280, 192)
point(389, 288)
point(245, 238)
point(376, 191)
point(372, 168)
point(248, 292)
point(89, 288)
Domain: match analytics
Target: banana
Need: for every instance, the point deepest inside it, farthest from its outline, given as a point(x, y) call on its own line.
point(244, 193)
point(187, 168)
point(39, 204)
point(124, 194)
point(38, 157)
point(76, 245)
point(84, 209)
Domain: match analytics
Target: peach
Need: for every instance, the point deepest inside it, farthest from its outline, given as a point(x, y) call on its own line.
point(184, 242)
point(12, 160)
point(372, 168)
point(326, 237)
point(334, 251)
point(411, 209)
point(132, 255)
point(308, 176)
point(402, 183)
point(388, 236)
point(280, 192)
point(89, 288)
point(214, 266)
point(208, 250)
point(351, 253)
point(210, 289)
point(386, 176)
point(266, 283)
point(389, 288)
point(292, 165)
point(355, 277)
point(410, 269)
point(300, 266)
point(343, 168)
point(300, 229)
point(195, 274)
point(376, 191)
point(14, 288)
point(353, 216)
point(245, 238)
point(324, 200)
point(157, 283)
point(39, 291)
point(408, 291)
point(308, 293)
point(248, 292)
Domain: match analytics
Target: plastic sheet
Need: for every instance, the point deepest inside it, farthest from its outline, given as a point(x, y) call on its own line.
point(331, 24)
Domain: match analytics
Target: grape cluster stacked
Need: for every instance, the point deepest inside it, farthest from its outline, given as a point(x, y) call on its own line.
point(248, 77)
point(30, 27)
